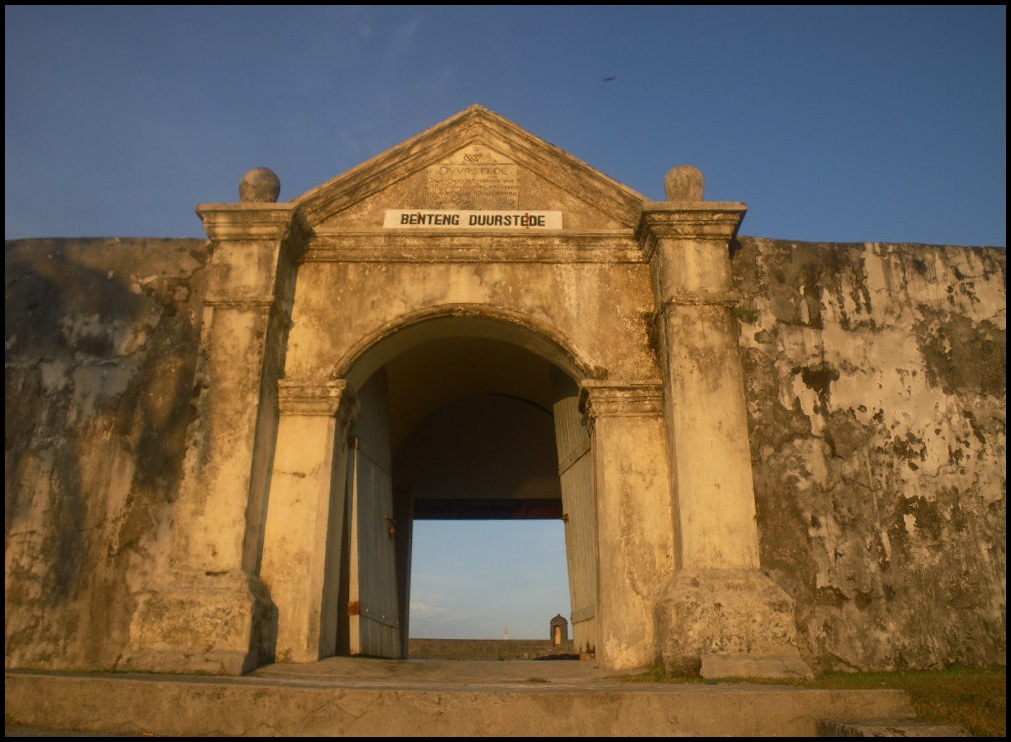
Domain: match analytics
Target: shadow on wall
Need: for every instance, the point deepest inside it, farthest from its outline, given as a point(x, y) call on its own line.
point(101, 340)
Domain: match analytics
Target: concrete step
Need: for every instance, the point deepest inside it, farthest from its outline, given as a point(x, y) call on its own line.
point(361, 697)
point(888, 728)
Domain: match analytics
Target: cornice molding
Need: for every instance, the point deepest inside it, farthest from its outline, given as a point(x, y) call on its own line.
point(689, 220)
point(317, 398)
point(607, 399)
point(378, 247)
point(256, 222)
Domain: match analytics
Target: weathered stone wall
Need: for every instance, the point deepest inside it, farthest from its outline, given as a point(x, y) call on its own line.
point(876, 395)
point(100, 348)
point(876, 388)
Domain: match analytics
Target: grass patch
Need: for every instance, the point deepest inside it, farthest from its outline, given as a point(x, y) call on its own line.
point(976, 699)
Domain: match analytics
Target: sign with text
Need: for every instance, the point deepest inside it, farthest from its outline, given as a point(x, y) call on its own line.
point(471, 219)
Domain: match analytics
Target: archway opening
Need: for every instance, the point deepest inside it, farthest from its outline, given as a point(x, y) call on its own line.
point(475, 462)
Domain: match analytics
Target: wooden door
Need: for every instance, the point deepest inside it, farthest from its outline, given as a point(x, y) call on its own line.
point(575, 470)
point(373, 609)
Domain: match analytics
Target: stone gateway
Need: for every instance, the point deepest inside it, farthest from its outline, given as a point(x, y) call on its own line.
point(770, 457)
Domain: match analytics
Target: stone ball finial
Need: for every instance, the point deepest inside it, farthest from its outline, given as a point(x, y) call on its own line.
point(685, 183)
point(259, 185)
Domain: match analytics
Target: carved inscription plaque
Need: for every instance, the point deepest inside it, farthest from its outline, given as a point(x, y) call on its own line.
point(476, 177)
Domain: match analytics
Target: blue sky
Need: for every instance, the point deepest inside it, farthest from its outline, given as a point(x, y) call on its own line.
point(488, 579)
point(832, 123)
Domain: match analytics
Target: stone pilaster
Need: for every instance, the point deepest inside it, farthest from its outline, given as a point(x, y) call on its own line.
point(687, 248)
point(305, 518)
point(257, 248)
point(719, 615)
point(635, 544)
point(211, 612)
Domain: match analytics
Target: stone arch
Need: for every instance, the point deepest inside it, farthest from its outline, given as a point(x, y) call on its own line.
point(379, 407)
point(481, 400)
point(376, 347)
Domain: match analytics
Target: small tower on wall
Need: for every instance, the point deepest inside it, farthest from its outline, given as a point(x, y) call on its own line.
point(559, 630)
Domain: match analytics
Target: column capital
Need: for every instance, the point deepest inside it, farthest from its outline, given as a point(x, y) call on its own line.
point(317, 398)
point(257, 247)
point(687, 246)
point(250, 221)
point(259, 222)
point(716, 221)
point(610, 399)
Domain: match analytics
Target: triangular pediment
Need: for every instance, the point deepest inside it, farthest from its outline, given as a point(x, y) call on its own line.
point(476, 161)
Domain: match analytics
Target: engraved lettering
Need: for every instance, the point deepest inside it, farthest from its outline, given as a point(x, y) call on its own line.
point(472, 219)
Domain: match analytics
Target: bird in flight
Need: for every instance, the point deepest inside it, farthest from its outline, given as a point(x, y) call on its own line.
point(608, 79)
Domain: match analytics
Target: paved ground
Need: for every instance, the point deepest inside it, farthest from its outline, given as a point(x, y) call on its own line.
point(360, 697)
point(400, 675)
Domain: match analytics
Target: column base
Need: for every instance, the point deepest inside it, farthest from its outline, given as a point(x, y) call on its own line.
point(728, 623)
point(206, 623)
point(715, 666)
